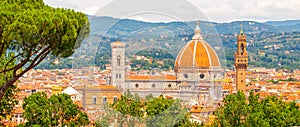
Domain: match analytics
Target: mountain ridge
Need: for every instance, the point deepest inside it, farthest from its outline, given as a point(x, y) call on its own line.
point(263, 38)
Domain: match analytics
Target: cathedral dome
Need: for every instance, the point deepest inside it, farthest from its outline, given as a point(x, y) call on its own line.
point(197, 53)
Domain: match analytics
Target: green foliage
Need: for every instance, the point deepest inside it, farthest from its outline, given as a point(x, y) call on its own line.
point(34, 25)
point(271, 111)
point(129, 105)
point(102, 123)
point(185, 122)
point(234, 111)
point(63, 63)
point(149, 97)
point(155, 54)
point(63, 109)
point(9, 100)
point(54, 111)
point(156, 106)
point(162, 112)
point(102, 59)
point(37, 110)
point(34, 30)
point(154, 112)
point(277, 81)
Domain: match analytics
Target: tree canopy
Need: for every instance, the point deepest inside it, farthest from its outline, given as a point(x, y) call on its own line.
point(253, 111)
point(129, 110)
point(33, 30)
point(54, 111)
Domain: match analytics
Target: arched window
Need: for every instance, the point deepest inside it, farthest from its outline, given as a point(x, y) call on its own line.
point(120, 76)
point(115, 98)
point(169, 85)
point(104, 100)
point(119, 60)
point(94, 100)
point(242, 48)
point(136, 85)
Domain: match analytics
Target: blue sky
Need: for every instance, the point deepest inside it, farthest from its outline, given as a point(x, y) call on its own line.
point(170, 10)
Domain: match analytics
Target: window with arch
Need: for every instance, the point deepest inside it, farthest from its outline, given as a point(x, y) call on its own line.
point(104, 100)
point(115, 98)
point(94, 100)
point(242, 48)
point(169, 85)
point(116, 75)
point(119, 60)
point(120, 76)
point(136, 85)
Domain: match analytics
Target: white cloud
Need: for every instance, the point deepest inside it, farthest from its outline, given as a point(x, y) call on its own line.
point(217, 10)
point(258, 10)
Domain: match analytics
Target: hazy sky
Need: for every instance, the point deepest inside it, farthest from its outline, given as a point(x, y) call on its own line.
point(170, 10)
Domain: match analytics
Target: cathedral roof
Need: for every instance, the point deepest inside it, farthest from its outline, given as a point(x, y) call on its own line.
point(197, 53)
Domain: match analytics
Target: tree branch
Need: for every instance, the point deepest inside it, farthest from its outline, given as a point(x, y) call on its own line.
point(6, 86)
point(5, 66)
point(18, 65)
point(2, 48)
point(42, 58)
point(39, 58)
point(43, 53)
point(21, 64)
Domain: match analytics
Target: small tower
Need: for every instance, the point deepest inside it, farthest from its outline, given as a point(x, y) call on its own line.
point(118, 64)
point(241, 61)
point(197, 32)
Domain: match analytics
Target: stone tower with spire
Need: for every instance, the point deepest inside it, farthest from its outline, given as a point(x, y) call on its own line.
point(241, 61)
point(118, 64)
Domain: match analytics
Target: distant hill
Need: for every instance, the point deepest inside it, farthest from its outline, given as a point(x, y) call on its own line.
point(286, 26)
point(283, 23)
point(104, 23)
point(172, 36)
point(248, 26)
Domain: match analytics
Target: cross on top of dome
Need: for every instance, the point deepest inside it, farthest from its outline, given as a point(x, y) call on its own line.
point(197, 32)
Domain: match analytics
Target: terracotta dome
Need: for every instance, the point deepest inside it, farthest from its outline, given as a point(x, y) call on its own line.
point(197, 53)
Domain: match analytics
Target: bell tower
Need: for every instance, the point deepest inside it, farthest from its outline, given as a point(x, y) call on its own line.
point(118, 64)
point(241, 61)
